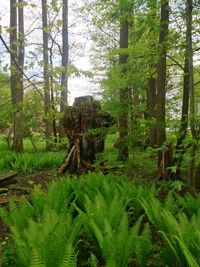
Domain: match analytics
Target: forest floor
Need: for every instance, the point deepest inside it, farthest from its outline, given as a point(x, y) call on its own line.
point(134, 169)
point(23, 185)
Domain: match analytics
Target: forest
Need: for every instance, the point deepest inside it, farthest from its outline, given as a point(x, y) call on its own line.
point(99, 133)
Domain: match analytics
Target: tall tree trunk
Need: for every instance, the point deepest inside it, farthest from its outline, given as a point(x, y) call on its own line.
point(184, 116)
point(189, 53)
point(134, 100)
point(151, 80)
point(151, 107)
point(47, 101)
point(13, 46)
point(21, 52)
point(16, 75)
point(161, 77)
point(52, 97)
point(65, 62)
point(124, 93)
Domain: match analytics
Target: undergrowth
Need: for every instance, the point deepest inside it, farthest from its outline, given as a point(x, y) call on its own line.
point(102, 220)
point(30, 160)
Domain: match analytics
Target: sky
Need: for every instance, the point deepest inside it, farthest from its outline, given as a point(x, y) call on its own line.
point(78, 36)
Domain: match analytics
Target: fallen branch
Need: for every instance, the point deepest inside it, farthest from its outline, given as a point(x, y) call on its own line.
point(66, 161)
point(7, 176)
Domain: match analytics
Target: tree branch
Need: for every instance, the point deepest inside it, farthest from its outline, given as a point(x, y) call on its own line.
point(177, 63)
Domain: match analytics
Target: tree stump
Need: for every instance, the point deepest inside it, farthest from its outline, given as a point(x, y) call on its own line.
point(85, 126)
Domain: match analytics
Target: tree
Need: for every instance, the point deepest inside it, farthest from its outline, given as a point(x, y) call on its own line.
point(152, 24)
point(47, 101)
point(161, 78)
point(151, 107)
point(17, 63)
point(189, 55)
point(124, 92)
point(184, 116)
point(65, 62)
point(65, 53)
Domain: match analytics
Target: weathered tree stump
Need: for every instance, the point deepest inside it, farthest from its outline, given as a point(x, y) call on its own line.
point(85, 126)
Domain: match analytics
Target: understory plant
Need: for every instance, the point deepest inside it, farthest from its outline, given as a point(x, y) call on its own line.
point(43, 229)
point(180, 233)
point(102, 220)
point(106, 223)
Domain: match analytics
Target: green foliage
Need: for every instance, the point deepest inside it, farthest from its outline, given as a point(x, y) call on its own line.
point(33, 113)
point(190, 205)
point(114, 222)
point(30, 160)
point(43, 227)
point(93, 260)
point(5, 102)
point(70, 258)
point(179, 230)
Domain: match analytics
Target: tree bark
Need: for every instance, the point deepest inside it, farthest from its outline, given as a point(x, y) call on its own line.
point(189, 53)
point(47, 101)
point(184, 117)
point(161, 77)
point(85, 124)
point(54, 128)
point(16, 75)
point(124, 93)
point(65, 62)
point(151, 106)
point(151, 80)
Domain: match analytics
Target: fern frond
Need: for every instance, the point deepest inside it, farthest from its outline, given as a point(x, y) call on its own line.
point(93, 261)
point(189, 257)
point(70, 258)
point(171, 246)
point(36, 259)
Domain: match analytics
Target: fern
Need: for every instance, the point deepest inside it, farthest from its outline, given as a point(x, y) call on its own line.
point(144, 246)
point(189, 204)
point(180, 233)
point(46, 222)
point(70, 258)
point(93, 261)
point(36, 259)
point(189, 257)
point(106, 222)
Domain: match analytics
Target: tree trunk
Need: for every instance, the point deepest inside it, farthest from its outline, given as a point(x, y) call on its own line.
point(151, 79)
point(124, 93)
point(151, 105)
point(189, 53)
point(161, 78)
point(13, 47)
point(184, 117)
point(47, 102)
point(81, 122)
point(54, 128)
point(16, 75)
point(65, 62)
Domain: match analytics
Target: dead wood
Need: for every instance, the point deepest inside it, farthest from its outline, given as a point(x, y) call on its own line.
point(8, 175)
point(85, 127)
point(66, 161)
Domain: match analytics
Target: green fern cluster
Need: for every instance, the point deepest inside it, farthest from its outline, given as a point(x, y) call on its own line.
point(100, 220)
point(29, 161)
point(47, 229)
point(177, 220)
point(43, 229)
point(107, 225)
